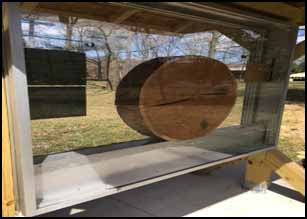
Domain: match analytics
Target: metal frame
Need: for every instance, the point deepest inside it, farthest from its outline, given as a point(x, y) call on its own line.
point(19, 105)
point(207, 12)
point(19, 115)
point(88, 197)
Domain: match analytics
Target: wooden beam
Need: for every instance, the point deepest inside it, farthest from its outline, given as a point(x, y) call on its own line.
point(299, 50)
point(280, 9)
point(183, 27)
point(289, 170)
point(260, 167)
point(258, 173)
point(124, 16)
point(71, 13)
point(28, 6)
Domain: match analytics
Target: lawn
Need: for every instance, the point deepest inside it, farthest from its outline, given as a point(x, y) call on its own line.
point(103, 126)
point(292, 134)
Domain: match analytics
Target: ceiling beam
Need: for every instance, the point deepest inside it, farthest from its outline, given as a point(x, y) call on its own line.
point(28, 6)
point(71, 13)
point(280, 9)
point(183, 27)
point(299, 50)
point(124, 16)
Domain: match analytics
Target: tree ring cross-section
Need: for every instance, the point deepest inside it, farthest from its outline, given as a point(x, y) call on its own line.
point(176, 98)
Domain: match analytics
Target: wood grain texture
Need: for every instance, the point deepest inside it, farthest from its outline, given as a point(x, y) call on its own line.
point(260, 167)
point(176, 98)
point(289, 170)
point(257, 173)
point(8, 200)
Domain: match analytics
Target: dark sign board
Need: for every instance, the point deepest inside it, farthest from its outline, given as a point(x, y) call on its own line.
point(56, 83)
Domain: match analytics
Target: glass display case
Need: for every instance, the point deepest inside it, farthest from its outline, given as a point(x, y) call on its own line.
point(144, 93)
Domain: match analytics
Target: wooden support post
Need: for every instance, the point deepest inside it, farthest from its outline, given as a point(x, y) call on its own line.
point(8, 200)
point(260, 167)
point(287, 169)
point(258, 173)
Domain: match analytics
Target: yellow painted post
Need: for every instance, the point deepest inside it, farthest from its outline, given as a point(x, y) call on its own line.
point(8, 201)
point(260, 167)
point(289, 170)
point(258, 173)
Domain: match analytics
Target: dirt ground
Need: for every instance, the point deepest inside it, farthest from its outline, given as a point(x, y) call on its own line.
point(292, 133)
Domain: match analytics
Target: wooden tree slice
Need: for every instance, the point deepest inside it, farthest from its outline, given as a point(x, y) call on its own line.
point(176, 98)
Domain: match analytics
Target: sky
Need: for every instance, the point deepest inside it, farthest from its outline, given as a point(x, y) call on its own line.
point(301, 34)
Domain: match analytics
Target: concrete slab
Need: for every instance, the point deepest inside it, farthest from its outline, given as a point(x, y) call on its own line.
point(216, 194)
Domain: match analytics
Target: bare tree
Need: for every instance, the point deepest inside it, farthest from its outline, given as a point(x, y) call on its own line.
point(213, 43)
point(108, 54)
point(69, 22)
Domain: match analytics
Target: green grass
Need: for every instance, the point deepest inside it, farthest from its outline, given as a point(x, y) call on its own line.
point(102, 125)
point(297, 85)
point(291, 146)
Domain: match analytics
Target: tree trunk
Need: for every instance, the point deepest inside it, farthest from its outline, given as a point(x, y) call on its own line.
point(68, 35)
point(108, 60)
point(69, 22)
point(99, 71)
point(31, 31)
point(107, 70)
point(213, 43)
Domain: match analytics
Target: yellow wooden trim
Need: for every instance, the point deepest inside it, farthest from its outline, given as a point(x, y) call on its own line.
point(289, 170)
point(260, 166)
point(257, 172)
point(8, 201)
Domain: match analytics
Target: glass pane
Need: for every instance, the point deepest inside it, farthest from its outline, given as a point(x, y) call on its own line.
point(123, 103)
